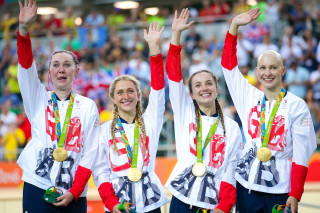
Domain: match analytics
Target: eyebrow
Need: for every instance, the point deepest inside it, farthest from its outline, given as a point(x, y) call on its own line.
point(205, 81)
point(275, 65)
point(59, 61)
point(124, 89)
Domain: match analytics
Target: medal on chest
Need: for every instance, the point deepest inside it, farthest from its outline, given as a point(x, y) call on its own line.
point(264, 153)
point(134, 173)
point(199, 169)
point(60, 154)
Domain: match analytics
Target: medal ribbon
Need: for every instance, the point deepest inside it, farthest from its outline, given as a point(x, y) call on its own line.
point(265, 133)
point(61, 135)
point(132, 157)
point(212, 130)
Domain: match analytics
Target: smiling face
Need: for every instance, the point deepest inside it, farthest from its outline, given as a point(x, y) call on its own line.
point(203, 89)
point(270, 70)
point(63, 71)
point(125, 97)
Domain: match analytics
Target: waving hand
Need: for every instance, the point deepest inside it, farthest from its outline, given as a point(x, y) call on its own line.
point(180, 24)
point(152, 36)
point(243, 19)
point(27, 15)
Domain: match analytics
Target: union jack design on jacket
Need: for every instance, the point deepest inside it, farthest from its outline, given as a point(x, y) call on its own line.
point(216, 188)
point(111, 168)
point(291, 137)
point(39, 167)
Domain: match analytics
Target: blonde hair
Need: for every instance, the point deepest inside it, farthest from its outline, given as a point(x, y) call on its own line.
point(115, 110)
point(196, 105)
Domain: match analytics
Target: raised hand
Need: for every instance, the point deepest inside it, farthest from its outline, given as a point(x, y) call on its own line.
point(180, 23)
point(27, 15)
point(152, 37)
point(28, 12)
point(243, 19)
point(247, 17)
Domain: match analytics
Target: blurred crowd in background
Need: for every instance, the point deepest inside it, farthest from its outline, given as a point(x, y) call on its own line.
point(292, 28)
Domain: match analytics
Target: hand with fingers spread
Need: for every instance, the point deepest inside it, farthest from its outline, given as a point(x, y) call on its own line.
point(179, 24)
point(243, 19)
point(152, 37)
point(27, 15)
point(64, 199)
point(292, 202)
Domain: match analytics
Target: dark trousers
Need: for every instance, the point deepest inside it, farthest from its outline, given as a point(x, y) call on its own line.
point(177, 206)
point(257, 202)
point(33, 202)
point(158, 210)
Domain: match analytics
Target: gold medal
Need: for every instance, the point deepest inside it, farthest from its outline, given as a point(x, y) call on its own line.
point(134, 174)
point(264, 154)
point(60, 154)
point(198, 169)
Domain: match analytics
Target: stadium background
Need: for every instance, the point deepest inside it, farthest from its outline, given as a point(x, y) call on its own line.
point(109, 42)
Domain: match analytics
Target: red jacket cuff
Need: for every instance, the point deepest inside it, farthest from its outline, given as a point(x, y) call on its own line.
point(107, 195)
point(157, 72)
point(80, 181)
point(24, 51)
point(298, 177)
point(174, 49)
point(229, 54)
point(227, 197)
point(173, 63)
point(232, 39)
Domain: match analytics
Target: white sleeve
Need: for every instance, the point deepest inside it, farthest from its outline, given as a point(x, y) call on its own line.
point(32, 91)
point(156, 106)
point(155, 110)
point(91, 136)
point(233, 154)
point(102, 169)
point(242, 93)
point(303, 135)
point(180, 101)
